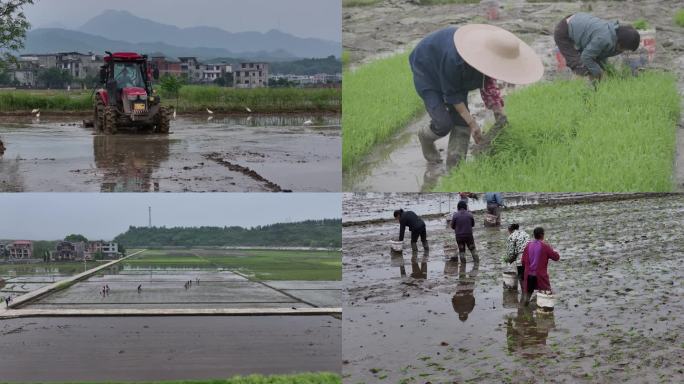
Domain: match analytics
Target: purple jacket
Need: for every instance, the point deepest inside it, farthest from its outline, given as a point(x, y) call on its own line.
point(462, 222)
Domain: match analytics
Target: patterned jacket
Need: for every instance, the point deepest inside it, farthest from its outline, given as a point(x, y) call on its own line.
point(516, 245)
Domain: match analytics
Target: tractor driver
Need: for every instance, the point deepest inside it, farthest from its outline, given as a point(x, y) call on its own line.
point(124, 80)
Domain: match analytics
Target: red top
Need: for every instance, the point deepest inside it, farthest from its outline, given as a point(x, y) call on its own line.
point(123, 56)
point(543, 283)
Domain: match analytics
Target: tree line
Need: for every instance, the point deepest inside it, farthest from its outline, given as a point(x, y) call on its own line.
point(310, 233)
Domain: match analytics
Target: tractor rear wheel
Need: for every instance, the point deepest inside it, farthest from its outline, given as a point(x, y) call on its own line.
point(109, 120)
point(163, 122)
point(98, 120)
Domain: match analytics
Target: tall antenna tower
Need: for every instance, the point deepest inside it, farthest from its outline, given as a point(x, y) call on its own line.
point(149, 214)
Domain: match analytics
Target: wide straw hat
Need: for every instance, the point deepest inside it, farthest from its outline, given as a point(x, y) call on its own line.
point(498, 54)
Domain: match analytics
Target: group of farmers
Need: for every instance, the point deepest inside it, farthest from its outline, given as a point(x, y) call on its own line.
point(450, 62)
point(531, 256)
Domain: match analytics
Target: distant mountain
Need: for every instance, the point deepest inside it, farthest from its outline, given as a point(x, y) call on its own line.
point(48, 40)
point(124, 26)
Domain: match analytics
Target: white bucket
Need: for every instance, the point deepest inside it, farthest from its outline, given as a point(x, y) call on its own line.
point(546, 300)
point(396, 246)
point(510, 280)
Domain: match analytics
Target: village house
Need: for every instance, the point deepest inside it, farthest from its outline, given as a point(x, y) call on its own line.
point(79, 65)
point(167, 66)
point(68, 251)
point(251, 75)
point(107, 249)
point(20, 250)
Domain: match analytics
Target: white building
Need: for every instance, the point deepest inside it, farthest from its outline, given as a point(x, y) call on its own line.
point(251, 75)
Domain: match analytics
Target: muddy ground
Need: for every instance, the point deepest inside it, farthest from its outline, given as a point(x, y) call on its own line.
point(229, 154)
point(165, 288)
point(395, 25)
point(165, 348)
point(419, 318)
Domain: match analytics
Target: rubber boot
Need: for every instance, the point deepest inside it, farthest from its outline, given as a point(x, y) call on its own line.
point(459, 138)
point(427, 143)
point(425, 245)
point(476, 257)
point(461, 256)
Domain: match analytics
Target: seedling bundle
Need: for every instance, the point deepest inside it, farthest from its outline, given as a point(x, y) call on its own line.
point(568, 136)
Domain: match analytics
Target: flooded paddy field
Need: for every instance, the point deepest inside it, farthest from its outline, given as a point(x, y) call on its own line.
point(166, 348)
point(420, 317)
point(24, 278)
point(229, 154)
point(194, 278)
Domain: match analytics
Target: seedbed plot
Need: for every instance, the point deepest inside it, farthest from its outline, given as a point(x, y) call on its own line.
point(379, 99)
point(568, 136)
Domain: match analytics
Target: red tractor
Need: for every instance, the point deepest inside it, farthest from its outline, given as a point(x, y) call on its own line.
point(127, 98)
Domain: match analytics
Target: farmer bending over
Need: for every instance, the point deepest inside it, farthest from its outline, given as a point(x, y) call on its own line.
point(462, 222)
point(415, 224)
point(535, 260)
point(449, 63)
point(495, 202)
point(585, 41)
point(517, 241)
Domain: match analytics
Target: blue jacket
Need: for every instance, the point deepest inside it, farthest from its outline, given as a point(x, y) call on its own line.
point(437, 67)
point(594, 38)
point(494, 198)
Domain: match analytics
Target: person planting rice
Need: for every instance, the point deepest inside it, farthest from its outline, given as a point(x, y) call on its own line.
point(449, 63)
point(534, 261)
point(415, 224)
point(494, 204)
point(462, 222)
point(585, 41)
point(517, 241)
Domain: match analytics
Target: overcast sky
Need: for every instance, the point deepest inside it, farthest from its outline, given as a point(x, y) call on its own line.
point(304, 18)
point(51, 216)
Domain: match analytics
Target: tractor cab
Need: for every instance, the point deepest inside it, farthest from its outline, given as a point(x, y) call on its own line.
point(127, 97)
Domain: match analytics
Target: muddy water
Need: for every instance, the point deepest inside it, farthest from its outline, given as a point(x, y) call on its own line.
point(392, 26)
point(165, 348)
point(61, 155)
point(618, 288)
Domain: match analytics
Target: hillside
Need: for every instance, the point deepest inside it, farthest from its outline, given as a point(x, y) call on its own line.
point(310, 233)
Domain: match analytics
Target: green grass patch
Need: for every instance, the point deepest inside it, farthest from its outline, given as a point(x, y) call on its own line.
point(379, 98)
point(259, 264)
point(303, 378)
point(679, 17)
point(20, 100)
point(193, 98)
point(566, 136)
point(219, 99)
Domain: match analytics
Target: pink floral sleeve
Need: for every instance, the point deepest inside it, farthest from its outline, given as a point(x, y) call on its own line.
point(491, 95)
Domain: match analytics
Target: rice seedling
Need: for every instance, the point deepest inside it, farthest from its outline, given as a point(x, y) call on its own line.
point(679, 17)
point(566, 136)
point(641, 24)
point(379, 99)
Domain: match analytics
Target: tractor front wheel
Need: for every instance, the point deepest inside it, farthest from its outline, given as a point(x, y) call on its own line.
point(109, 120)
point(98, 120)
point(163, 120)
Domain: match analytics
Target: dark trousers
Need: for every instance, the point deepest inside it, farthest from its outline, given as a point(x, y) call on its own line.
point(521, 272)
point(463, 241)
point(444, 117)
point(567, 48)
point(419, 232)
point(531, 284)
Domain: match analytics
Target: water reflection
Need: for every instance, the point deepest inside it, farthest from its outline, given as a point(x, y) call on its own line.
point(527, 331)
point(463, 300)
point(280, 120)
point(419, 271)
point(397, 260)
point(128, 161)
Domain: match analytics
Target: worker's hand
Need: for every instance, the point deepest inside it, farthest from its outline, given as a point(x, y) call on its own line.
point(501, 119)
point(475, 131)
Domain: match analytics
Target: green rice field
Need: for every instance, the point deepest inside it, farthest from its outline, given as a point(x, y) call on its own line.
point(259, 264)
